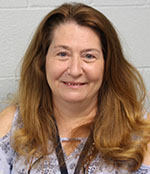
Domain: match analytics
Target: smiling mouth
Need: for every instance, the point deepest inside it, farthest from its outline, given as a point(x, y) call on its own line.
point(74, 84)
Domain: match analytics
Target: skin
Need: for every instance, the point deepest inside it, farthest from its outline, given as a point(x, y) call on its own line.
point(74, 70)
point(6, 117)
point(74, 73)
point(146, 160)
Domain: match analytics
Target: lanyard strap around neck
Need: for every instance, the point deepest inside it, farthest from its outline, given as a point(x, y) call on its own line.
point(61, 160)
point(60, 155)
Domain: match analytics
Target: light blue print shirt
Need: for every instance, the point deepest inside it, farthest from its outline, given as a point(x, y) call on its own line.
point(11, 163)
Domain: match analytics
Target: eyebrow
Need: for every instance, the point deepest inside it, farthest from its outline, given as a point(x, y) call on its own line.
point(84, 50)
point(91, 49)
point(62, 46)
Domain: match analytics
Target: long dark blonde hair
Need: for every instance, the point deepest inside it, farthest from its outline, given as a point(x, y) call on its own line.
point(118, 130)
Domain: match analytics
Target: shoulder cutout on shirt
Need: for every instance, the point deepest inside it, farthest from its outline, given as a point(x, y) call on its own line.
point(6, 118)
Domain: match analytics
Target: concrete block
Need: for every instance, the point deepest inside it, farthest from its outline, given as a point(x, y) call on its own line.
point(16, 30)
point(46, 3)
point(13, 3)
point(118, 2)
point(145, 72)
point(148, 2)
point(133, 27)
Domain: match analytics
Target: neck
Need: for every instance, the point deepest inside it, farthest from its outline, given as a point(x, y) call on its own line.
point(72, 115)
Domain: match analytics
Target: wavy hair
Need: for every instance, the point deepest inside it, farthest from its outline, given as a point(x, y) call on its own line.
point(119, 130)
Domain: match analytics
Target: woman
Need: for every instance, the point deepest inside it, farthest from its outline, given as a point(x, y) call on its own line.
point(79, 107)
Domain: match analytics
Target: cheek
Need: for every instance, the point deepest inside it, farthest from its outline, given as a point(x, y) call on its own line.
point(54, 70)
point(96, 73)
point(50, 72)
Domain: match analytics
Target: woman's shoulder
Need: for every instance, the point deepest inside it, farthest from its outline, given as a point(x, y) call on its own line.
point(6, 119)
point(146, 160)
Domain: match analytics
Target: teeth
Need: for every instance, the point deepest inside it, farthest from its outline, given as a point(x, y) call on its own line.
point(74, 84)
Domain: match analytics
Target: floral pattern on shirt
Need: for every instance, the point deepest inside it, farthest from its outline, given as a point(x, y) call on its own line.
point(11, 163)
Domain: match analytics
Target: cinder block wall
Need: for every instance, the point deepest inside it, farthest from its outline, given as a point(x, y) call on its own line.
point(19, 19)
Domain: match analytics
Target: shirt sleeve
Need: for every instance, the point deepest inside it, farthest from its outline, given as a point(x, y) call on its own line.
point(6, 151)
point(6, 155)
point(143, 170)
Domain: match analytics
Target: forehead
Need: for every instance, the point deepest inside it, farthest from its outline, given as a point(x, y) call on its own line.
point(73, 33)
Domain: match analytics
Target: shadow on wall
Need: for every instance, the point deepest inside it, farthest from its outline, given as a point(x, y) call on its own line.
point(8, 90)
point(7, 101)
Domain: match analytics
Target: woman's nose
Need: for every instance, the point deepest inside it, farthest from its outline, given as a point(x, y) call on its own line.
point(75, 66)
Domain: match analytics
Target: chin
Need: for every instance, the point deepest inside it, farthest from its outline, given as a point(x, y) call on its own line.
point(74, 99)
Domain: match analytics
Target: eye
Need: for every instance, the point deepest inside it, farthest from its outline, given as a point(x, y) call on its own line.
point(62, 54)
point(89, 56)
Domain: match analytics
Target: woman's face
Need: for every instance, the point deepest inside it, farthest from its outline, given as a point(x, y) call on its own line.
point(74, 64)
